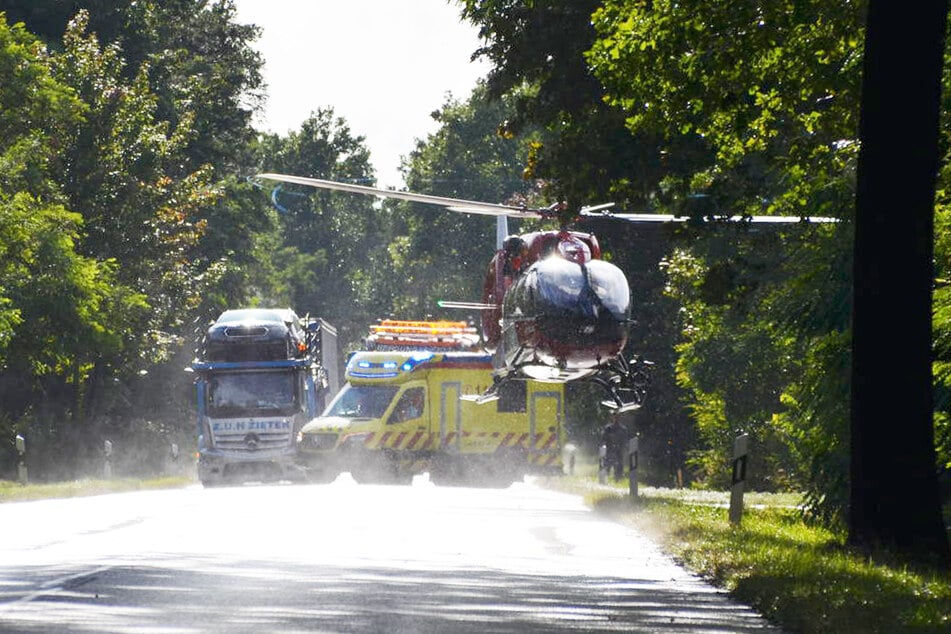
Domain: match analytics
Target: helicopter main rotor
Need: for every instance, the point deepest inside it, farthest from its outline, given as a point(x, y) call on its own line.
point(453, 204)
point(556, 211)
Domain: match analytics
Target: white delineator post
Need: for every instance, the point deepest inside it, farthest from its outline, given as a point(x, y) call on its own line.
point(21, 462)
point(107, 450)
point(632, 457)
point(741, 448)
point(603, 464)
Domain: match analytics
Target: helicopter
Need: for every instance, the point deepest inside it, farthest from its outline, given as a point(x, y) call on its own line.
point(552, 309)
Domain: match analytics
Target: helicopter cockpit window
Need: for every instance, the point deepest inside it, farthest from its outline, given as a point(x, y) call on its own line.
point(567, 284)
point(611, 287)
point(564, 279)
point(409, 407)
point(574, 251)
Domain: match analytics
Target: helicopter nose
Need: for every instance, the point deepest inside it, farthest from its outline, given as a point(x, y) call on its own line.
point(593, 291)
point(574, 314)
point(581, 306)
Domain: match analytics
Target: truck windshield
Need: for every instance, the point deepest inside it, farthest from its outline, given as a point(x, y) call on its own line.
point(362, 401)
point(252, 393)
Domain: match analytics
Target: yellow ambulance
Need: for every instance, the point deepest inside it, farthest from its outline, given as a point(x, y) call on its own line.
point(407, 411)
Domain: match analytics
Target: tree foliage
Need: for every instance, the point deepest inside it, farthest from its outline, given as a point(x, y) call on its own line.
point(580, 147)
point(327, 239)
point(199, 62)
point(106, 198)
point(770, 93)
point(442, 255)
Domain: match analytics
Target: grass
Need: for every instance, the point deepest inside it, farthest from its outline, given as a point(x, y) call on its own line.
point(797, 575)
point(16, 492)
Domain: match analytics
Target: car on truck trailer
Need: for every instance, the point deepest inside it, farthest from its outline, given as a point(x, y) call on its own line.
point(260, 375)
point(408, 407)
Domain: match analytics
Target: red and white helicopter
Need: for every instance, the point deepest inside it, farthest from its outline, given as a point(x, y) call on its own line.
point(552, 309)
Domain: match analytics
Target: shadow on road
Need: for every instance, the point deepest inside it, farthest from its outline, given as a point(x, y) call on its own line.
point(275, 596)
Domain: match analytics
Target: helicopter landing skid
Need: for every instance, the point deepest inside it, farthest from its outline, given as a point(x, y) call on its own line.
point(619, 407)
point(490, 395)
point(626, 383)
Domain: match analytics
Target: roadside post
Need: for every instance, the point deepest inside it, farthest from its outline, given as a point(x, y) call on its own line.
point(21, 462)
point(741, 448)
point(107, 468)
point(570, 451)
point(603, 464)
point(172, 465)
point(632, 465)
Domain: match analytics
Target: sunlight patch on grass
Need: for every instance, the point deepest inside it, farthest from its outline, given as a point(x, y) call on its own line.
point(799, 575)
point(16, 492)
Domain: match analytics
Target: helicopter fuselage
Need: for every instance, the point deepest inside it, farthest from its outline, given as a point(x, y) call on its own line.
point(562, 311)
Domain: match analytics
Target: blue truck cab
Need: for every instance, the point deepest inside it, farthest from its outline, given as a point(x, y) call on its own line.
point(260, 375)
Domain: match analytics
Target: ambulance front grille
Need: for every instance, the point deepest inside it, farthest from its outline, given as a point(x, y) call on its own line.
point(321, 441)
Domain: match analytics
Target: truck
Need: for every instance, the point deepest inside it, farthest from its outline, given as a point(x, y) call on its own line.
point(408, 407)
point(260, 375)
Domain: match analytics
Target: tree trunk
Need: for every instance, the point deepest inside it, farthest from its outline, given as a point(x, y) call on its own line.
point(895, 501)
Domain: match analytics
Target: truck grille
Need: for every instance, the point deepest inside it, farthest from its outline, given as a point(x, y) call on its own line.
point(242, 436)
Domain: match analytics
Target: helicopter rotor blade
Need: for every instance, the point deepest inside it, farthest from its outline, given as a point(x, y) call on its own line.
point(467, 305)
point(659, 218)
point(453, 204)
point(590, 211)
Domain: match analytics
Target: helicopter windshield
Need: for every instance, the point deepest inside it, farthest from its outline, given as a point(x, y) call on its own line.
point(562, 284)
point(611, 286)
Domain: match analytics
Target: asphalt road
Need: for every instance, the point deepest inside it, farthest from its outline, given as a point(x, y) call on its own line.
point(342, 558)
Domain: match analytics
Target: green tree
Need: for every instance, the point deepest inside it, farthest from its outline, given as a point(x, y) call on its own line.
point(769, 93)
point(199, 60)
point(769, 89)
point(328, 239)
point(582, 150)
point(119, 169)
point(60, 309)
point(204, 81)
point(439, 254)
point(109, 150)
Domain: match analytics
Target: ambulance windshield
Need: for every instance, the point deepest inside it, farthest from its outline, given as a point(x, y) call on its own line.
point(362, 401)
